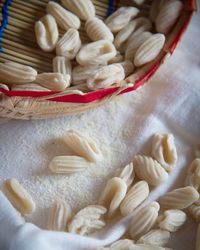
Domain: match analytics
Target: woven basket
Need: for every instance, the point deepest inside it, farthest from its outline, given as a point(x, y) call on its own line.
point(19, 45)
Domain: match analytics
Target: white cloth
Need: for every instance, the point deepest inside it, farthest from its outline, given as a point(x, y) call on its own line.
point(169, 102)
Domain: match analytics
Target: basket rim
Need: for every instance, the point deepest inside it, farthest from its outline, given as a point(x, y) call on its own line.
point(190, 7)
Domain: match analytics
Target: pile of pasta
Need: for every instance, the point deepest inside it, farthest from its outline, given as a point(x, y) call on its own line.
point(118, 50)
point(151, 226)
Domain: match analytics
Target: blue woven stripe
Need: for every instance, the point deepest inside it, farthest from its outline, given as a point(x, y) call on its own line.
point(111, 7)
point(4, 21)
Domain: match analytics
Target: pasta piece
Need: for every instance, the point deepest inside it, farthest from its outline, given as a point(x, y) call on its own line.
point(63, 66)
point(149, 50)
point(179, 198)
point(59, 216)
point(194, 210)
point(172, 220)
point(138, 2)
point(113, 195)
point(15, 73)
point(83, 9)
point(46, 31)
point(98, 53)
point(197, 151)
point(122, 244)
point(18, 196)
point(148, 247)
point(155, 9)
point(120, 18)
point(64, 18)
point(198, 238)
point(164, 150)
point(155, 237)
point(29, 86)
point(193, 175)
point(4, 86)
point(83, 146)
point(168, 15)
point(106, 76)
point(96, 29)
point(135, 196)
point(150, 170)
point(88, 220)
point(128, 174)
point(144, 220)
point(117, 59)
point(69, 44)
point(53, 81)
point(128, 67)
point(136, 41)
point(68, 164)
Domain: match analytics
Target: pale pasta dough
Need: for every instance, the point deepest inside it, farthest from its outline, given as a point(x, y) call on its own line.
point(193, 175)
point(127, 174)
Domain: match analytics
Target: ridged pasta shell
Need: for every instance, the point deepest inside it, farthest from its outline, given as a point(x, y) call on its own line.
point(96, 29)
point(197, 151)
point(179, 198)
point(29, 86)
point(46, 32)
point(113, 195)
point(127, 174)
point(198, 238)
point(15, 73)
point(84, 9)
point(83, 146)
point(172, 220)
point(106, 76)
point(149, 50)
point(193, 175)
point(98, 53)
point(18, 196)
point(64, 18)
point(128, 67)
point(144, 220)
point(88, 220)
point(168, 15)
point(68, 164)
point(155, 9)
point(53, 81)
point(120, 18)
point(155, 237)
point(135, 44)
point(59, 216)
point(63, 66)
point(150, 170)
point(194, 210)
point(80, 74)
point(122, 244)
point(164, 150)
point(69, 44)
point(135, 196)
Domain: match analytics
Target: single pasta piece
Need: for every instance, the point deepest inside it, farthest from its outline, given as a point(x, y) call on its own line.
point(88, 220)
point(135, 196)
point(132, 246)
point(29, 86)
point(46, 31)
point(113, 194)
point(138, 2)
point(197, 151)
point(150, 170)
point(4, 86)
point(127, 174)
point(168, 15)
point(198, 238)
point(172, 220)
point(83, 146)
point(15, 73)
point(120, 18)
point(69, 44)
point(18, 196)
point(68, 164)
point(155, 9)
point(149, 247)
point(164, 150)
point(80, 74)
point(179, 198)
point(83, 9)
point(194, 211)
point(149, 50)
point(117, 59)
point(63, 66)
point(96, 30)
point(64, 18)
point(144, 220)
point(122, 244)
point(53, 81)
point(59, 216)
point(193, 175)
point(99, 52)
point(155, 237)
point(106, 76)
point(128, 67)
